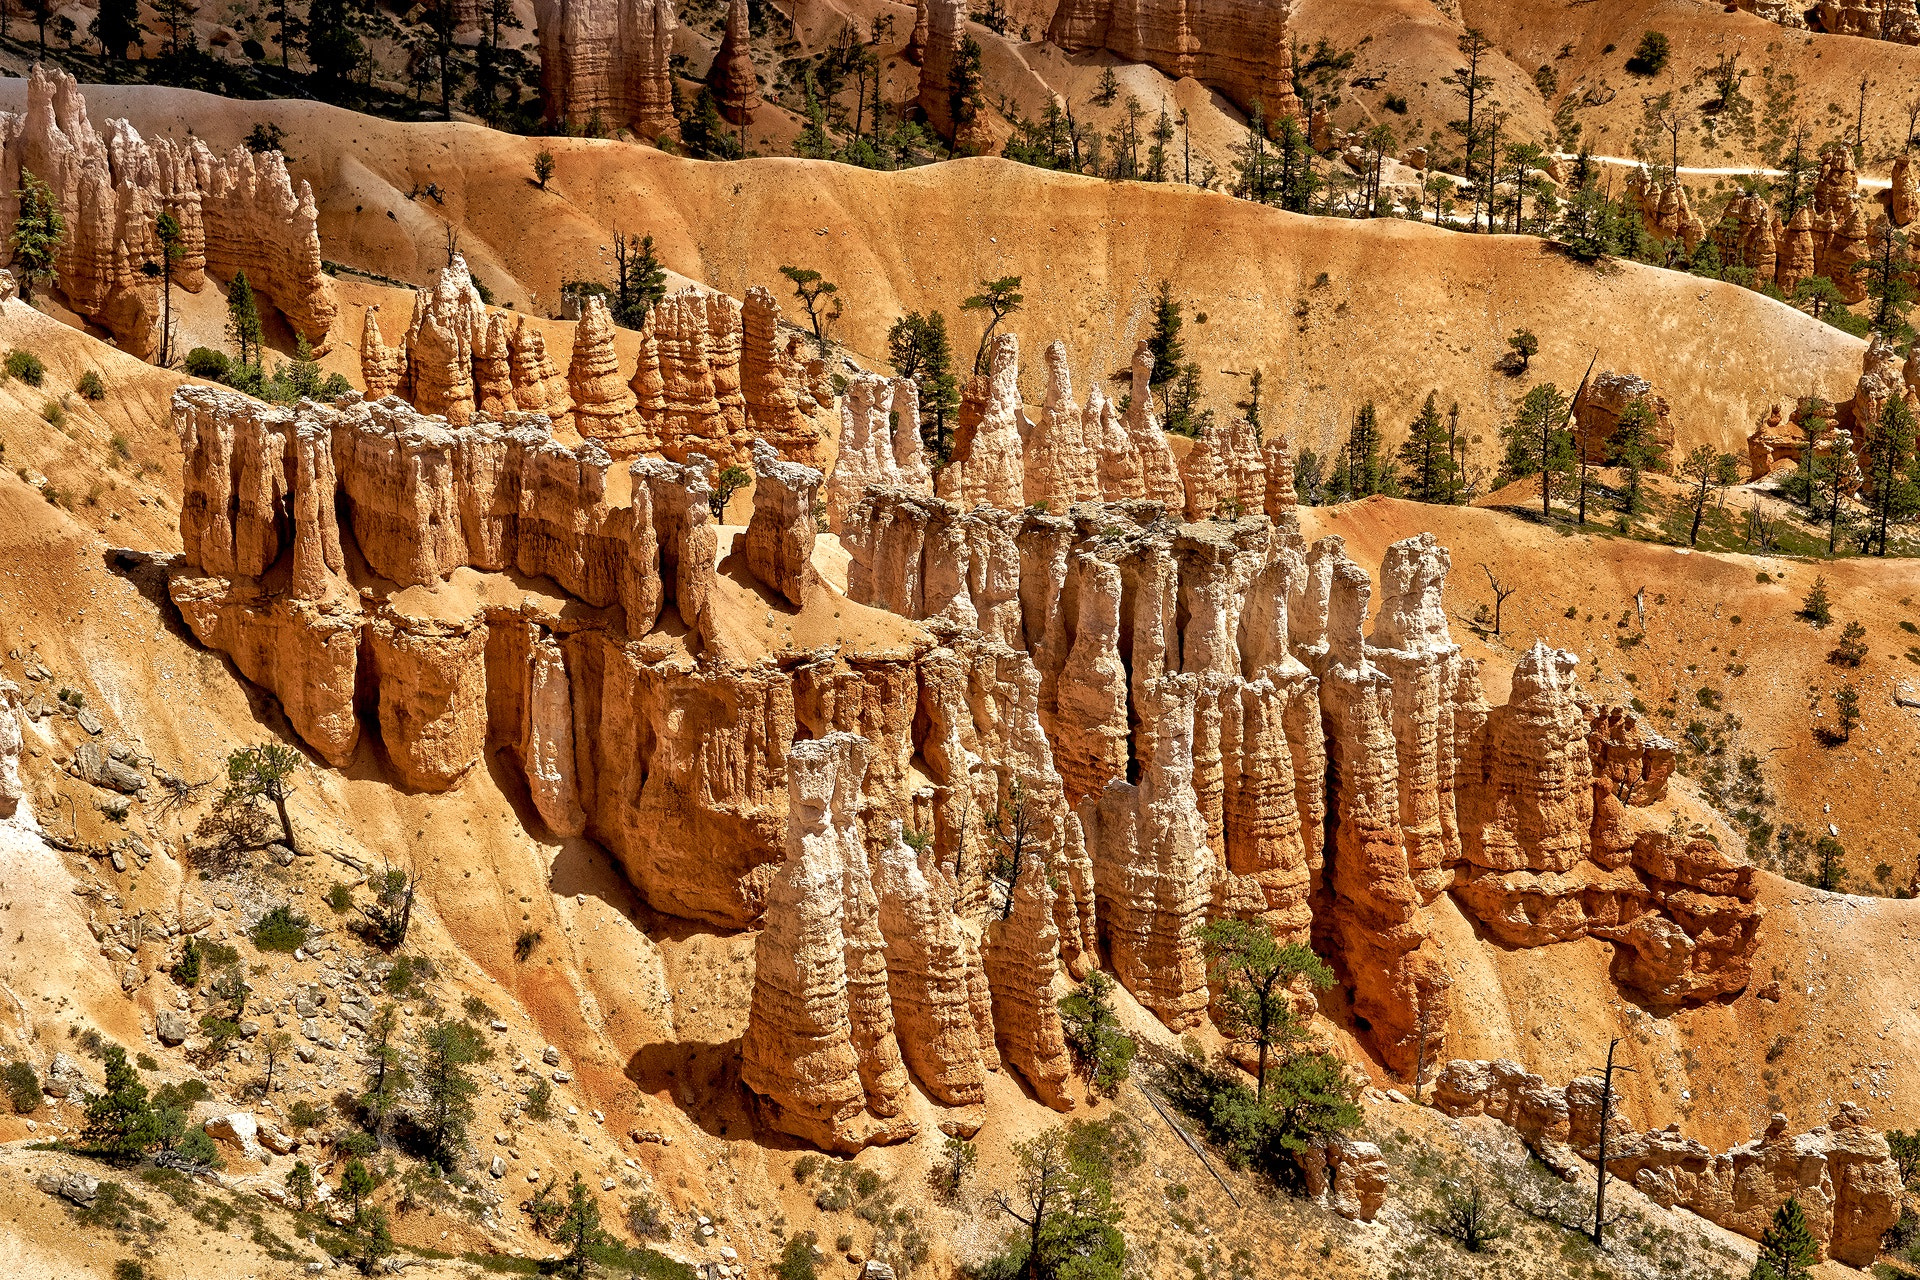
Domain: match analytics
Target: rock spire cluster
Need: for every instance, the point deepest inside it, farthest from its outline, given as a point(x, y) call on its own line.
point(237, 212)
point(1243, 50)
point(712, 374)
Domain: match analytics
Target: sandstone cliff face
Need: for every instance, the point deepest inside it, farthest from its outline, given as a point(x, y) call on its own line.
point(879, 444)
point(238, 212)
point(1842, 1174)
point(604, 64)
point(1240, 49)
point(11, 789)
point(1599, 408)
point(778, 543)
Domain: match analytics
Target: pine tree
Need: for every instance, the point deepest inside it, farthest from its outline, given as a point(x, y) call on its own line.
point(243, 319)
point(918, 348)
point(333, 47)
point(448, 1049)
point(1362, 471)
point(166, 229)
point(116, 25)
point(1633, 448)
point(1787, 1248)
point(1892, 494)
point(579, 1229)
point(1427, 456)
point(37, 233)
point(1165, 346)
point(120, 1119)
point(1538, 442)
point(640, 281)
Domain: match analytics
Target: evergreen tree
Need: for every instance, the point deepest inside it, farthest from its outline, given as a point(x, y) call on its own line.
point(448, 1050)
point(999, 299)
point(176, 22)
point(1362, 470)
point(640, 281)
point(1633, 449)
point(333, 46)
point(1256, 974)
point(289, 26)
point(1253, 166)
point(166, 229)
point(1787, 1248)
point(965, 81)
point(1887, 273)
point(1427, 456)
point(243, 320)
point(120, 1120)
point(918, 348)
point(579, 1229)
point(1165, 346)
point(1297, 184)
point(1102, 1051)
point(1538, 442)
point(37, 233)
point(1892, 493)
point(703, 131)
point(116, 25)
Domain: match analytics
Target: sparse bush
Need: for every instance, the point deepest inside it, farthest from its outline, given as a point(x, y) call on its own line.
point(477, 1009)
point(1470, 1219)
point(1817, 606)
point(93, 387)
point(798, 1258)
point(22, 1087)
point(205, 362)
point(186, 971)
point(1651, 55)
point(26, 366)
point(281, 929)
point(958, 1159)
point(1102, 1052)
point(55, 414)
point(523, 946)
point(540, 1100)
point(340, 898)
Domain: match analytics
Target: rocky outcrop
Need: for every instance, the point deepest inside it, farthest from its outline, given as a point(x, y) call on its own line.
point(1903, 192)
point(240, 212)
point(383, 369)
point(819, 1053)
point(1240, 49)
point(1159, 475)
point(879, 444)
point(1883, 377)
point(1842, 1174)
point(448, 323)
point(1348, 1176)
point(959, 120)
point(787, 392)
point(736, 87)
point(1598, 410)
point(604, 408)
point(1666, 210)
point(988, 468)
point(604, 64)
point(778, 542)
point(1894, 20)
point(11, 789)
point(1062, 451)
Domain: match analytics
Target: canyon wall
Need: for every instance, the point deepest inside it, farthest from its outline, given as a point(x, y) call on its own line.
point(238, 212)
point(1242, 49)
point(1026, 739)
point(604, 65)
point(712, 374)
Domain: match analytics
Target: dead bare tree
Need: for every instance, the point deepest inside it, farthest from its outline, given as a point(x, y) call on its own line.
point(1011, 828)
point(1600, 1221)
point(1500, 594)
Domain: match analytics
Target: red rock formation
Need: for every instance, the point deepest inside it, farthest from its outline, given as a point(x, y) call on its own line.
point(1063, 448)
point(240, 213)
point(946, 29)
point(604, 64)
point(1895, 20)
point(1797, 252)
point(736, 87)
point(604, 408)
point(448, 324)
point(1159, 475)
point(1665, 209)
point(778, 543)
point(383, 369)
point(1599, 407)
point(538, 386)
point(819, 1053)
point(879, 443)
point(987, 468)
point(789, 402)
point(1903, 193)
point(1240, 49)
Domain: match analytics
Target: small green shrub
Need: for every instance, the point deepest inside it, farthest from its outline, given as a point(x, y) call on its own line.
point(55, 413)
point(26, 366)
point(204, 362)
point(93, 387)
point(281, 929)
point(340, 898)
point(186, 971)
point(540, 1100)
point(22, 1087)
point(524, 945)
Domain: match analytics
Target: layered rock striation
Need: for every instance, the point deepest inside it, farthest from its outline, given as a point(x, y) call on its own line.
point(237, 212)
point(1241, 49)
point(605, 64)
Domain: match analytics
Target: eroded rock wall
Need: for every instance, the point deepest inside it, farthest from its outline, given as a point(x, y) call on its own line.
point(1241, 49)
point(238, 212)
